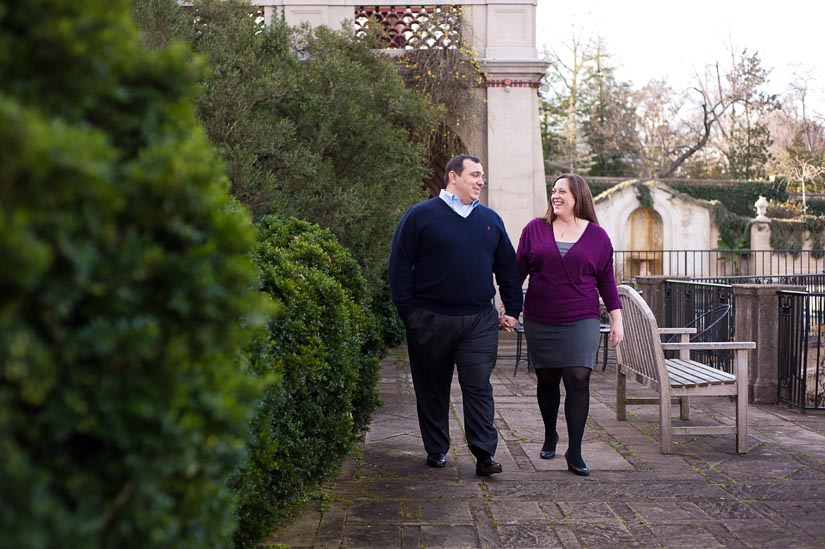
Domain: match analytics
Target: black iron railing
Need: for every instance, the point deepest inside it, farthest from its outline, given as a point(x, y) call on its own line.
point(801, 349)
point(709, 308)
point(629, 264)
point(708, 304)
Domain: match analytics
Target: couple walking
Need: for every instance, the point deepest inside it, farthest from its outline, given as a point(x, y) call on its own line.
point(444, 255)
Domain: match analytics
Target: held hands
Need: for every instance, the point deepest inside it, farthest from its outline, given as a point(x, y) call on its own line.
point(506, 322)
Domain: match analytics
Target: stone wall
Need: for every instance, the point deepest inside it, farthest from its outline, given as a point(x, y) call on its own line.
point(686, 223)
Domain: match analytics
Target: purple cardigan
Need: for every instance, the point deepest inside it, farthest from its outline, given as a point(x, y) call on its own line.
point(566, 289)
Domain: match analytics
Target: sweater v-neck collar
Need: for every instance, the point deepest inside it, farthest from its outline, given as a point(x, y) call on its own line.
point(562, 257)
point(556, 244)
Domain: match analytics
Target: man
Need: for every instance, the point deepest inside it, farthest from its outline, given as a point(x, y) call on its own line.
point(444, 254)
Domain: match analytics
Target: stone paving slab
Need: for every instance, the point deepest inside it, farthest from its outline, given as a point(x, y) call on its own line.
point(704, 495)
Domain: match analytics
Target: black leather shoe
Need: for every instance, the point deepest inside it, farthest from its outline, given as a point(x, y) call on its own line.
point(487, 466)
point(549, 449)
point(436, 460)
point(582, 470)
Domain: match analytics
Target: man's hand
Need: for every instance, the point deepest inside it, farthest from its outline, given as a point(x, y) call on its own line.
point(506, 322)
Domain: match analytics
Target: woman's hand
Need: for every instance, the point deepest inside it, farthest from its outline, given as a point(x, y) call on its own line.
point(506, 322)
point(616, 335)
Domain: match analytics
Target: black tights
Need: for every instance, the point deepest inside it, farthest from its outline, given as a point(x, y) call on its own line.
point(576, 403)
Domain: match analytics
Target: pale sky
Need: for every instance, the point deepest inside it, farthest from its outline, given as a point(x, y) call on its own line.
point(656, 39)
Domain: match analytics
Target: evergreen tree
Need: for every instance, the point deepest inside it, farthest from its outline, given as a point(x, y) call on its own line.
point(311, 122)
point(610, 122)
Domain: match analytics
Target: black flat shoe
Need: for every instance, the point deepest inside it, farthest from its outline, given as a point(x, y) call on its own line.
point(487, 466)
point(582, 471)
point(549, 449)
point(436, 460)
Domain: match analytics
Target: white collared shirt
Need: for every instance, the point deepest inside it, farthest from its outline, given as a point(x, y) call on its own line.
point(455, 203)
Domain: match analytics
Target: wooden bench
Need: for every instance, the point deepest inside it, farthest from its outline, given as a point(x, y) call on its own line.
point(641, 356)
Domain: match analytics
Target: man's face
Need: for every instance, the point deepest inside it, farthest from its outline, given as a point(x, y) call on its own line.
point(468, 185)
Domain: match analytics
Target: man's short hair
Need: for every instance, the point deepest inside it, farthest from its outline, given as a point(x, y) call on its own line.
point(456, 164)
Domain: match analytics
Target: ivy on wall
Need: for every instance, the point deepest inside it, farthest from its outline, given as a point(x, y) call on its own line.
point(643, 195)
point(790, 234)
point(733, 228)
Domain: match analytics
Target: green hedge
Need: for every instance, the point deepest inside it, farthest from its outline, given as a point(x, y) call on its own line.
point(124, 284)
point(738, 199)
point(392, 327)
point(325, 347)
point(596, 187)
point(816, 207)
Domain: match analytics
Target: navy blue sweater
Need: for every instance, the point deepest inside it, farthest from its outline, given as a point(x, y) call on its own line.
point(445, 263)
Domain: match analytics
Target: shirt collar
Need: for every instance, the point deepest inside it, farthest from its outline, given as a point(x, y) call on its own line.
point(452, 199)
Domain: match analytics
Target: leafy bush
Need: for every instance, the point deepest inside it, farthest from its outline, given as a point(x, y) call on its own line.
point(324, 346)
point(125, 278)
point(816, 207)
point(311, 123)
point(392, 327)
point(783, 210)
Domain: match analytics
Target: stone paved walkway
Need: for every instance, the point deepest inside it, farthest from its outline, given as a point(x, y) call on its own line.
point(703, 496)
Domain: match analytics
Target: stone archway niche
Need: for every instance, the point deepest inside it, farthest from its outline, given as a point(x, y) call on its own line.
point(646, 233)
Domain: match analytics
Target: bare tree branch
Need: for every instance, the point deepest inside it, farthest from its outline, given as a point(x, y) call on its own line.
point(709, 118)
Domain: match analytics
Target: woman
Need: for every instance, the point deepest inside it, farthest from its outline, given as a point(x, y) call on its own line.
point(569, 259)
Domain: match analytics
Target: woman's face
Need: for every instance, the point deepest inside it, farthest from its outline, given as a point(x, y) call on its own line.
point(564, 203)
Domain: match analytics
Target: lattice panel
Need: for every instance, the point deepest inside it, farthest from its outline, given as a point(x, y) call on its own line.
point(412, 27)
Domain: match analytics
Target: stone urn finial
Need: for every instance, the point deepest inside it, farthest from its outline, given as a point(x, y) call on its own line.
point(761, 207)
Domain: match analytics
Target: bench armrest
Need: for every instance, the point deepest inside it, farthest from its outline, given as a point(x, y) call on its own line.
point(710, 346)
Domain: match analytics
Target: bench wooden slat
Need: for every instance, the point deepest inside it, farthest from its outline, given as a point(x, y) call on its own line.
point(695, 370)
point(679, 378)
point(709, 346)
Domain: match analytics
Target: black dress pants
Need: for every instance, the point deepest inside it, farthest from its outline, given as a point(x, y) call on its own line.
point(436, 342)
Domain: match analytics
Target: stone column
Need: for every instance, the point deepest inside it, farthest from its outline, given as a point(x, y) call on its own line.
point(503, 34)
point(757, 312)
point(515, 163)
point(761, 235)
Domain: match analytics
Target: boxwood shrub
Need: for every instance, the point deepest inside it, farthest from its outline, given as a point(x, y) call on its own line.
point(124, 286)
point(324, 345)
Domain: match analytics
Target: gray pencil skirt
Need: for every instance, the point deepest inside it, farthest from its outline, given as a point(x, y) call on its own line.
point(562, 345)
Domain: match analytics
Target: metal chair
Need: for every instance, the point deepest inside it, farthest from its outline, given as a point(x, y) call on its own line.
point(521, 347)
point(604, 332)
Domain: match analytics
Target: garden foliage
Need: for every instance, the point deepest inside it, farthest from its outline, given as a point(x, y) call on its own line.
point(126, 290)
point(310, 122)
point(325, 345)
